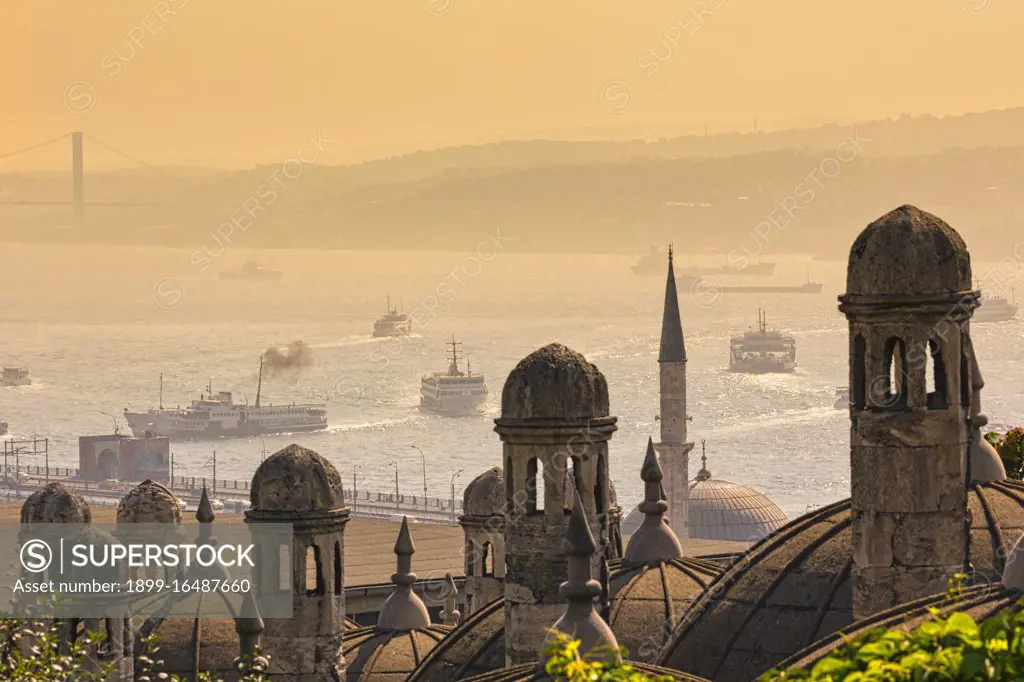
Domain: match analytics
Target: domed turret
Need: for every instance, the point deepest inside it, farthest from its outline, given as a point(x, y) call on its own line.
point(296, 480)
point(485, 494)
point(554, 382)
point(149, 502)
point(55, 504)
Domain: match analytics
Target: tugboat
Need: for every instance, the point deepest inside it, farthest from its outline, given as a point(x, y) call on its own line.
point(252, 271)
point(15, 376)
point(995, 309)
point(221, 417)
point(392, 323)
point(453, 393)
point(762, 351)
point(654, 261)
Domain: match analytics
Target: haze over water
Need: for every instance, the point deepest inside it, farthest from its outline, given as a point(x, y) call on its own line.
point(89, 325)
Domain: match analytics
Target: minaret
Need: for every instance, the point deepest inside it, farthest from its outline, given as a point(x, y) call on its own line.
point(653, 542)
point(403, 610)
point(909, 302)
point(674, 449)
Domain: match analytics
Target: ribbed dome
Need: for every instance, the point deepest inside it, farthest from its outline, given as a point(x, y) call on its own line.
point(474, 647)
point(720, 510)
point(527, 672)
point(379, 655)
point(794, 587)
point(979, 602)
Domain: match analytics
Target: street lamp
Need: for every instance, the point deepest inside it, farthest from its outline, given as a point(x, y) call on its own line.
point(423, 457)
point(264, 457)
point(395, 464)
point(454, 476)
point(213, 463)
point(355, 493)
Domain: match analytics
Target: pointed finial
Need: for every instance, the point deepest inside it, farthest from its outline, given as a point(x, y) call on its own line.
point(670, 252)
point(1013, 573)
point(703, 474)
point(249, 622)
point(204, 512)
point(578, 540)
point(451, 614)
point(654, 541)
point(403, 610)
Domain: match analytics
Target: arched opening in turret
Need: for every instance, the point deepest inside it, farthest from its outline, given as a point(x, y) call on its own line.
point(510, 485)
point(894, 379)
point(534, 487)
point(488, 559)
point(284, 573)
point(858, 390)
point(965, 380)
point(601, 485)
point(314, 571)
point(338, 568)
point(938, 396)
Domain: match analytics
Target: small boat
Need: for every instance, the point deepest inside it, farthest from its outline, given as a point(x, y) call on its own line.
point(453, 393)
point(392, 323)
point(3, 428)
point(15, 376)
point(995, 309)
point(653, 264)
point(842, 397)
point(762, 351)
point(252, 271)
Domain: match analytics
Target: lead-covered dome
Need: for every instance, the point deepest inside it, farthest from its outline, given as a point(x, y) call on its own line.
point(380, 655)
point(485, 494)
point(909, 252)
point(296, 480)
point(55, 503)
point(554, 382)
point(795, 587)
point(149, 502)
point(720, 510)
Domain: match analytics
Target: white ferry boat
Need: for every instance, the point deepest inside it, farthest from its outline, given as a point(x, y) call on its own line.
point(220, 417)
point(15, 376)
point(762, 351)
point(995, 309)
point(842, 398)
point(453, 393)
point(392, 323)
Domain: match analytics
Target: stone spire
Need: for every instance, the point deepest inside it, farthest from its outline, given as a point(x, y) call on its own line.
point(673, 348)
point(580, 620)
point(986, 464)
point(451, 613)
point(403, 610)
point(249, 626)
point(653, 542)
point(674, 449)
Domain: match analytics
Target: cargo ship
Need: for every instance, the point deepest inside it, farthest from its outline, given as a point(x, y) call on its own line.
point(654, 262)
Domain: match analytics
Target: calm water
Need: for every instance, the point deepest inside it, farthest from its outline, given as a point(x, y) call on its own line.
point(96, 326)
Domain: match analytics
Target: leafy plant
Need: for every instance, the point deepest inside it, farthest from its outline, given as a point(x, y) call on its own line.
point(1010, 447)
point(951, 648)
point(566, 664)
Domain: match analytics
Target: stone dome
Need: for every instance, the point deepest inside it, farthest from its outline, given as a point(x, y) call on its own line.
point(986, 464)
point(527, 672)
point(379, 655)
point(720, 510)
point(55, 504)
point(485, 494)
point(908, 252)
point(149, 502)
point(296, 480)
point(979, 602)
point(795, 587)
point(643, 600)
point(554, 382)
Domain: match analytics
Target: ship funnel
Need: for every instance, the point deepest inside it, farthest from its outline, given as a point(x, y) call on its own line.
point(224, 397)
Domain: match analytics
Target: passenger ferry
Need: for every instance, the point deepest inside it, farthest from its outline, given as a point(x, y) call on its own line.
point(842, 397)
point(453, 393)
point(762, 351)
point(15, 376)
point(995, 309)
point(392, 323)
point(221, 417)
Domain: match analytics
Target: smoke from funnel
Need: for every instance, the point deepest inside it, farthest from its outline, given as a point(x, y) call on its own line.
point(294, 358)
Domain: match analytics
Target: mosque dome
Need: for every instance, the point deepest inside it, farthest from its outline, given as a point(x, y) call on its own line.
point(296, 480)
point(380, 655)
point(55, 503)
point(979, 602)
point(149, 502)
point(795, 587)
point(909, 252)
point(485, 494)
point(554, 382)
point(527, 672)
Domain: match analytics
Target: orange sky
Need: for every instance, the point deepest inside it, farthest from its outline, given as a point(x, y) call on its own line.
point(233, 82)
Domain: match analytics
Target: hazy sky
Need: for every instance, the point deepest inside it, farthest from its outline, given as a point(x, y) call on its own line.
point(233, 82)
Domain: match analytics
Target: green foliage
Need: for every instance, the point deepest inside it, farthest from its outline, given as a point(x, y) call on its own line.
point(566, 664)
point(29, 652)
point(1010, 447)
point(951, 648)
